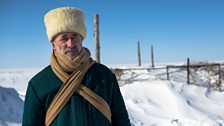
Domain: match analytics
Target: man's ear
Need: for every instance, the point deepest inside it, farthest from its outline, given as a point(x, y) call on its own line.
point(53, 46)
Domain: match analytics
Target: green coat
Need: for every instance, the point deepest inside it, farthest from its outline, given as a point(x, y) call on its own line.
point(77, 112)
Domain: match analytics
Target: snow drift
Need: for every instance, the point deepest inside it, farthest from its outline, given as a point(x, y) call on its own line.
point(11, 106)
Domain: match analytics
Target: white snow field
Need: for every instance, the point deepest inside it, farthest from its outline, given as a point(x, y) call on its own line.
point(151, 100)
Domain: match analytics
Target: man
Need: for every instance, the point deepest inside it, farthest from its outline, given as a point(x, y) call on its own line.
point(73, 90)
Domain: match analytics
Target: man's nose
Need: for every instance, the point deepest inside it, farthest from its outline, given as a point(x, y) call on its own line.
point(70, 42)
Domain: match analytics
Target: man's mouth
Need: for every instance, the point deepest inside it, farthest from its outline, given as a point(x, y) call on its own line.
point(71, 51)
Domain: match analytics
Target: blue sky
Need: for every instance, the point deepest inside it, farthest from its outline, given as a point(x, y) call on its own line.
point(177, 29)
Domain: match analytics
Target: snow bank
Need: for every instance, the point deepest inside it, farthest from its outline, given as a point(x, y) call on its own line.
point(11, 106)
point(154, 101)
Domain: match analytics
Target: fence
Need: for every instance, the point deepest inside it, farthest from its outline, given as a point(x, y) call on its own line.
point(213, 70)
point(213, 74)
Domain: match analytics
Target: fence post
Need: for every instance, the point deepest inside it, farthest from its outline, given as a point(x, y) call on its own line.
point(188, 71)
point(139, 54)
point(167, 72)
point(219, 85)
point(152, 56)
point(97, 38)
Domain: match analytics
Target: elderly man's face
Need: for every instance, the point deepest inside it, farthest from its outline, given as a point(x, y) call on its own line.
point(68, 43)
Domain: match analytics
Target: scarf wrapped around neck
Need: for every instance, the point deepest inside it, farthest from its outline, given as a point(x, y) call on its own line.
point(63, 66)
point(71, 72)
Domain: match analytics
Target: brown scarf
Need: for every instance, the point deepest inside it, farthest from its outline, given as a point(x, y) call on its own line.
point(62, 66)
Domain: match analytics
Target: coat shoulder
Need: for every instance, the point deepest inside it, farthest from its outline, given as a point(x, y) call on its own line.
point(100, 68)
point(41, 74)
point(45, 75)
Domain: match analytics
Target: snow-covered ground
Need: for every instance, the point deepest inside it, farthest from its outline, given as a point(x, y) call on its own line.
point(151, 100)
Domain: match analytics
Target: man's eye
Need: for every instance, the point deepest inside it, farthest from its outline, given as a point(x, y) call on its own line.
point(64, 39)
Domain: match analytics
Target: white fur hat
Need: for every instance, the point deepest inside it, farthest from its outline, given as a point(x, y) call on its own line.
point(64, 19)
